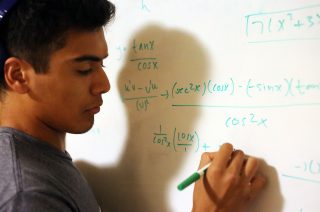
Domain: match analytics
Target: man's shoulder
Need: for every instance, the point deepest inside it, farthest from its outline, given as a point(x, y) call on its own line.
point(32, 170)
point(9, 184)
point(20, 173)
point(23, 164)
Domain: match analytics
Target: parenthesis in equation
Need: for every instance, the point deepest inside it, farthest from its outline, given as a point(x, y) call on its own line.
point(289, 90)
point(173, 88)
point(247, 89)
point(205, 88)
point(227, 121)
point(198, 143)
point(233, 85)
point(174, 139)
point(311, 169)
point(209, 86)
point(137, 105)
point(122, 98)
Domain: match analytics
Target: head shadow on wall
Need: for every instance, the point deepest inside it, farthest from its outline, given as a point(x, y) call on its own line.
point(163, 67)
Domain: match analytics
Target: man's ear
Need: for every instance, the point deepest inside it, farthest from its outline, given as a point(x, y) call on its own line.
point(15, 74)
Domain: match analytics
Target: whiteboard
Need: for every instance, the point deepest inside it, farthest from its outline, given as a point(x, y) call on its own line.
point(187, 76)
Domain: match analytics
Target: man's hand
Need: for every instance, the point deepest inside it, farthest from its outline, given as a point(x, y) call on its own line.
point(229, 183)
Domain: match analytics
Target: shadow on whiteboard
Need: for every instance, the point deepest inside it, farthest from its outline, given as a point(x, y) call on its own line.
point(271, 198)
point(162, 67)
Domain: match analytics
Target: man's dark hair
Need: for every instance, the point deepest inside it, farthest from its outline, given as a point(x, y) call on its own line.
point(33, 29)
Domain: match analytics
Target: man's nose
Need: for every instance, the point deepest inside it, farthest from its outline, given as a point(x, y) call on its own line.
point(101, 84)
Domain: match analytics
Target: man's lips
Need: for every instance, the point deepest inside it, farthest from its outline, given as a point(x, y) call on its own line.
point(94, 109)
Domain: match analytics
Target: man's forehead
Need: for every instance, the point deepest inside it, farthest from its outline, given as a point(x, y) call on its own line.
point(73, 33)
point(80, 46)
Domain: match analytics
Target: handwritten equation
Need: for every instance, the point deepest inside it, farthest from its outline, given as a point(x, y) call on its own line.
point(246, 120)
point(142, 94)
point(310, 167)
point(307, 171)
point(178, 141)
point(144, 63)
point(295, 24)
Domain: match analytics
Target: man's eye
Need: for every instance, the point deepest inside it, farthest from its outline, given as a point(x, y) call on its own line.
point(84, 72)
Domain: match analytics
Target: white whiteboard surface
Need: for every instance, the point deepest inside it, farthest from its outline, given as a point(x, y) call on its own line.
point(187, 76)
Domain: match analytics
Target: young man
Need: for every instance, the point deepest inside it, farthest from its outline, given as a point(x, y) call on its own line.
point(52, 81)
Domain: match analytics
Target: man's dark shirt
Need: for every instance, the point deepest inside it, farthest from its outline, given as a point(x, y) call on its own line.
point(37, 177)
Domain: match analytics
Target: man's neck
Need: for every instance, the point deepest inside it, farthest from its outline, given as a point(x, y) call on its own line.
point(57, 140)
point(21, 121)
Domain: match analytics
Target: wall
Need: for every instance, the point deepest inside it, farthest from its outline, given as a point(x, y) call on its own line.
point(188, 76)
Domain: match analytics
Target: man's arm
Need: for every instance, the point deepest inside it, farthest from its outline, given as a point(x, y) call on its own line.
point(229, 184)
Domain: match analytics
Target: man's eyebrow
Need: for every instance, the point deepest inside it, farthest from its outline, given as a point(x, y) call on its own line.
point(89, 58)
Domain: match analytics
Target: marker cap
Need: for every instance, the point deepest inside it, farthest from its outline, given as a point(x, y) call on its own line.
point(194, 177)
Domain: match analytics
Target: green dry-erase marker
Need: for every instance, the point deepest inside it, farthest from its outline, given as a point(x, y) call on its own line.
point(194, 177)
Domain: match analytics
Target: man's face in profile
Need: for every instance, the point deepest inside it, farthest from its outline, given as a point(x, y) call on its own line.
point(68, 95)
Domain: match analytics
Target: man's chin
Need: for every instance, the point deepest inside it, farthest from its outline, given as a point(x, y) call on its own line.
point(80, 129)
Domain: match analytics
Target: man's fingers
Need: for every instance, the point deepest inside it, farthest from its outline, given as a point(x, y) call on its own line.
point(257, 184)
point(250, 169)
point(223, 156)
point(236, 162)
point(206, 158)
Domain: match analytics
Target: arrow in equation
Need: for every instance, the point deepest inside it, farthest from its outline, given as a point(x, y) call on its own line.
point(166, 95)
